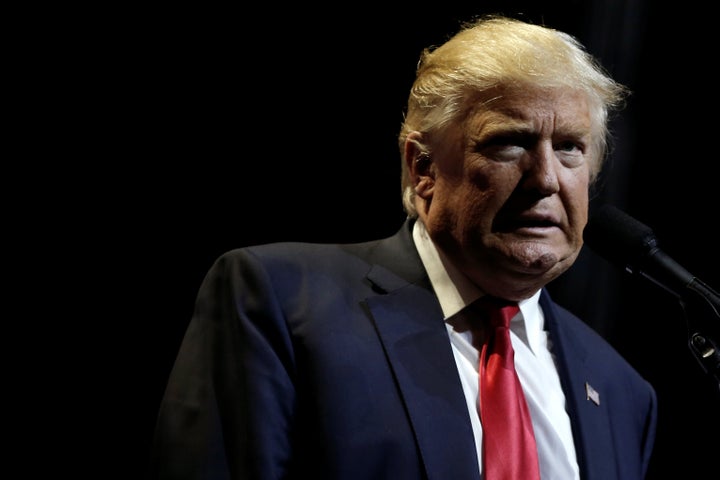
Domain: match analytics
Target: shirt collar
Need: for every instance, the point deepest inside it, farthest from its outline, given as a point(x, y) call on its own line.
point(455, 291)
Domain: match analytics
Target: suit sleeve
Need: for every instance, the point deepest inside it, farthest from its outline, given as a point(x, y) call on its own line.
point(227, 409)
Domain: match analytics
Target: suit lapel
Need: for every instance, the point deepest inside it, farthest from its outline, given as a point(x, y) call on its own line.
point(410, 324)
point(582, 384)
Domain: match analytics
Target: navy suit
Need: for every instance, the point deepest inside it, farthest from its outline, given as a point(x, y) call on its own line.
point(333, 362)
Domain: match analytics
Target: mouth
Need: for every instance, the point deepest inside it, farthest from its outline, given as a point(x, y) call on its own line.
point(526, 224)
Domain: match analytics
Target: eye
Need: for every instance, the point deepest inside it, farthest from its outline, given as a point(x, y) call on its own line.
point(571, 154)
point(505, 148)
point(567, 146)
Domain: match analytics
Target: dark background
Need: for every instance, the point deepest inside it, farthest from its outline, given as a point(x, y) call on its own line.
point(209, 128)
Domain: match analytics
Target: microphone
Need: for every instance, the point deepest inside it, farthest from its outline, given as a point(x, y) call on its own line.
point(632, 245)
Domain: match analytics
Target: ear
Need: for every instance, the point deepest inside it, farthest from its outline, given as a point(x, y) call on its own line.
point(420, 165)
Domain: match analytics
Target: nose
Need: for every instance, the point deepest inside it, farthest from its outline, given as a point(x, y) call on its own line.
point(541, 171)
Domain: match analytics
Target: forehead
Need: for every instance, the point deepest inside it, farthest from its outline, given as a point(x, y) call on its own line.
point(533, 108)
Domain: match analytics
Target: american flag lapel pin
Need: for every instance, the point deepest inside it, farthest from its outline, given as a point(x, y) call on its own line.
point(591, 394)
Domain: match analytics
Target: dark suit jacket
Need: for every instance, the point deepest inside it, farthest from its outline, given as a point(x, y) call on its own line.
point(333, 362)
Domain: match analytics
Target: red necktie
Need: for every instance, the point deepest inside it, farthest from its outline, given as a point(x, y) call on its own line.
point(509, 450)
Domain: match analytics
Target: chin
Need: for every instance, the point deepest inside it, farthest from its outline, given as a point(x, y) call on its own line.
point(533, 257)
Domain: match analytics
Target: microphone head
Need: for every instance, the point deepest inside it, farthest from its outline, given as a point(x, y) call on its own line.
point(618, 237)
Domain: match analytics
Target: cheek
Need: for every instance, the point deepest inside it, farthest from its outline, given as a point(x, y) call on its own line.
point(576, 201)
point(476, 193)
point(490, 188)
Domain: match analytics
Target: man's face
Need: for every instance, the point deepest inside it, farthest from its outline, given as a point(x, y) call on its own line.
point(506, 194)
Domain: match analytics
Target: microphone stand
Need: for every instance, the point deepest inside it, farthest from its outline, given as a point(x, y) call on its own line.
point(702, 344)
point(700, 340)
point(690, 292)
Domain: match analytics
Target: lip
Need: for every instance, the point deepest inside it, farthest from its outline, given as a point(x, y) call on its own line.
point(535, 231)
point(535, 223)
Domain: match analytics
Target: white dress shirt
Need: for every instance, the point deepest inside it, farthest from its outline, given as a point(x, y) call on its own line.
point(533, 361)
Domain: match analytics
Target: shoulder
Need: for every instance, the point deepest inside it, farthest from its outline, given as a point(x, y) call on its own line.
point(396, 253)
point(297, 254)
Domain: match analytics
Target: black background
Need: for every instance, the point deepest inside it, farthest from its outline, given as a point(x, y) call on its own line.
point(209, 128)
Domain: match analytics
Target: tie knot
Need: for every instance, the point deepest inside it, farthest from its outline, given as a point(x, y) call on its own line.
point(496, 311)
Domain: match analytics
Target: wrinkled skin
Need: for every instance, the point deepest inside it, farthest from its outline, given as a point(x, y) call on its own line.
point(505, 194)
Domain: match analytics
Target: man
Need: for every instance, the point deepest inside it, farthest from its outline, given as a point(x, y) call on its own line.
point(356, 361)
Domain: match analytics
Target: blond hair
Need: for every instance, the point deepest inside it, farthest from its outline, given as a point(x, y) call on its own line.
point(496, 52)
